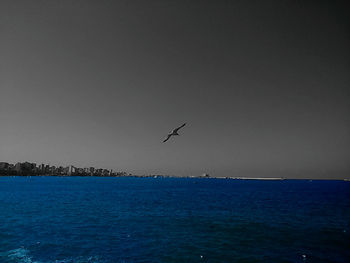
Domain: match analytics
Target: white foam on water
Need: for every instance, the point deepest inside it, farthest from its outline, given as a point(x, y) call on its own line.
point(20, 255)
point(80, 259)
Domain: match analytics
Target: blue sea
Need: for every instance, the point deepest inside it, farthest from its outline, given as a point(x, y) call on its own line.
point(92, 219)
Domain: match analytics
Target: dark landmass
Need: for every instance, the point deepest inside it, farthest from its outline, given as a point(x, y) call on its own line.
point(31, 169)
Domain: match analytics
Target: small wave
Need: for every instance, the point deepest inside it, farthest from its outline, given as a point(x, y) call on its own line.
point(20, 255)
point(79, 260)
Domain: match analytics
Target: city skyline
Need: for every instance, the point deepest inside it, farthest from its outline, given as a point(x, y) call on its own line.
point(34, 169)
point(262, 86)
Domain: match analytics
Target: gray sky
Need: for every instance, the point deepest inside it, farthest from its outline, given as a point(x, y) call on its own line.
point(262, 85)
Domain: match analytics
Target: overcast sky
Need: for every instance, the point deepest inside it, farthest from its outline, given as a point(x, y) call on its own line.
point(262, 85)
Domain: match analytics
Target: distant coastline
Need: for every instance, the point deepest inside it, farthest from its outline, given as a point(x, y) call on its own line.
point(32, 169)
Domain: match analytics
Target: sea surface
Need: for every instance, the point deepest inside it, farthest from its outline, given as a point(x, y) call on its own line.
point(92, 219)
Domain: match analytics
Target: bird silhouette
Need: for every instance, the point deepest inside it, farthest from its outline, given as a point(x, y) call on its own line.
point(174, 132)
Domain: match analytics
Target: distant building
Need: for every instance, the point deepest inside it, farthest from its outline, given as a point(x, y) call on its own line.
point(59, 170)
point(17, 167)
point(41, 168)
point(66, 170)
point(52, 170)
point(99, 172)
point(4, 166)
point(25, 168)
point(71, 170)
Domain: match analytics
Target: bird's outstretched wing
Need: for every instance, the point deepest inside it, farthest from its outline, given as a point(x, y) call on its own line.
point(178, 128)
point(167, 138)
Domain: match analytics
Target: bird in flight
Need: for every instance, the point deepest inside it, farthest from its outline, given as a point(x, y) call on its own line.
point(174, 132)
